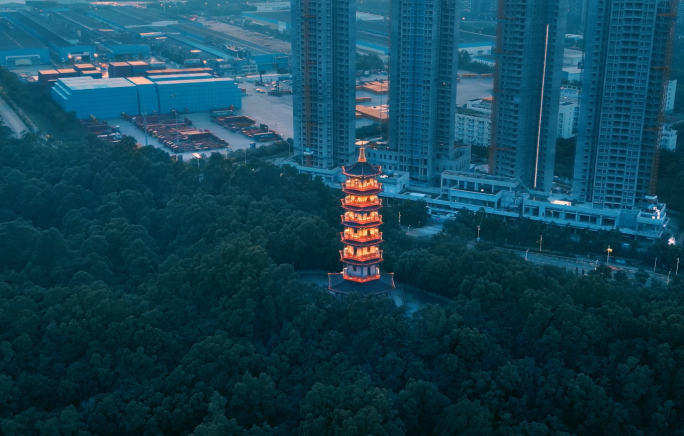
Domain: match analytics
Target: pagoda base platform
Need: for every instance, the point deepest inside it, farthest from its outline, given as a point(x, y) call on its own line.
point(340, 287)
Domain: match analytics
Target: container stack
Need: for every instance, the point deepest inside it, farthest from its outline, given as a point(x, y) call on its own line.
point(95, 74)
point(139, 68)
point(167, 77)
point(67, 72)
point(46, 76)
point(84, 67)
point(180, 71)
point(119, 69)
point(157, 65)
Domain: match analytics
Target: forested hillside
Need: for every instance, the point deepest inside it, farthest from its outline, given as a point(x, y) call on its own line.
point(142, 296)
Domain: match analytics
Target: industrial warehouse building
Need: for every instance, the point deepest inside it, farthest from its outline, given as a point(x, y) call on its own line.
point(63, 47)
point(19, 48)
point(109, 98)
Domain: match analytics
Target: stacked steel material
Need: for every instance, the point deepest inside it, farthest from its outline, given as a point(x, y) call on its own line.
point(361, 236)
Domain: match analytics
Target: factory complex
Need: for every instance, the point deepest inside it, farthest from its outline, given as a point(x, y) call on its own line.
point(82, 34)
point(112, 97)
point(372, 32)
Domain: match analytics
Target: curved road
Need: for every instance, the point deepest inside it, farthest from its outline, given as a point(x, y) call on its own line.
point(11, 119)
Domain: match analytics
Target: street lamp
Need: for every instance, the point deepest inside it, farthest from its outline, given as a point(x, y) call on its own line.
point(677, 270)
point(176, 110)
point(526, 251)
point(478, 233)
point(609, 250)
point(654, 264)
point(144, 114)
point(668, 277)
point(541, 238)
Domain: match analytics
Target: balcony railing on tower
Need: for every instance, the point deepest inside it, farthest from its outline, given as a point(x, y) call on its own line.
point(353, 236)
point(362, 202)
point(358, 185)
point(373, 219)
point(346, 255)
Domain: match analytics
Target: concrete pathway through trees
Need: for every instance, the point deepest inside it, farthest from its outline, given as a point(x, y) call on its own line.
point(11, 119)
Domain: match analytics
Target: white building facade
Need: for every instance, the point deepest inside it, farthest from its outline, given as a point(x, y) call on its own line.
point(566, 118)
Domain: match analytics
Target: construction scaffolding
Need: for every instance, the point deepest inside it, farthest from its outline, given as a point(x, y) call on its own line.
point(665, 68)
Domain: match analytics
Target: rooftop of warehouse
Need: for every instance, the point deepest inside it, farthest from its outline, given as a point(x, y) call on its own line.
point(256, 49)
point(28, 22)
point(87, 82)
point(13, 38)
point(146, 14)
point(98, 29)
point(209, 52)
point(177, 82)
point(85, 21)
point(172, 77)
point(117, 17)
point(139, 80)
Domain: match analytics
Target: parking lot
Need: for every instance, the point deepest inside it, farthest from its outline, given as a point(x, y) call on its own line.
point(276, 112)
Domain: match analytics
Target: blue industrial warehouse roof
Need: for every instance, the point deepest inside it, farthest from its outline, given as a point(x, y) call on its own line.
point(174, 82)
point(87, 82)
point(140, 80)
point(171, 77)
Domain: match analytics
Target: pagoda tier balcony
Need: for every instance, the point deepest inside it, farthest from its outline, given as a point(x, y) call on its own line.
point(360, 188)
point(359, 279)
point(361, 259)
point(354, 239)
point(361, 205)
point(359, 222)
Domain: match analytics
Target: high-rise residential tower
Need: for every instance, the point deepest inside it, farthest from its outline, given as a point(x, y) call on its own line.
point(624, 90)
point(527, 81)
point(423, 66)
point(323, 68)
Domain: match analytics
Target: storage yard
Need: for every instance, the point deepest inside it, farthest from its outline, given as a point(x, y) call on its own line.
point(177, 135)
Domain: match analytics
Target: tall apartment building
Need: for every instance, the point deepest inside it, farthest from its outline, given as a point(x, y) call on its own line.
point(423, 67)
point(323, 69)
point(528, 74)
point(623, 100)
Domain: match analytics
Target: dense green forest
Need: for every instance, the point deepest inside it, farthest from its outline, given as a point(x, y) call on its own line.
point(671, 175)
point(143, 296)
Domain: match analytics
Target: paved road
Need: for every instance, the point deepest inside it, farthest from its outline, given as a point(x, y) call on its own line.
point(425, 231)
point(11, 119)
point(582, 264)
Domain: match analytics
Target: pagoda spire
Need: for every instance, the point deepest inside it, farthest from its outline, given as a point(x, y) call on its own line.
point(362, 154)
point(361, 237)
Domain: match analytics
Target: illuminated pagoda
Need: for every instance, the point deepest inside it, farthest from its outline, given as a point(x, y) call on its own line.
point(361, 236)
